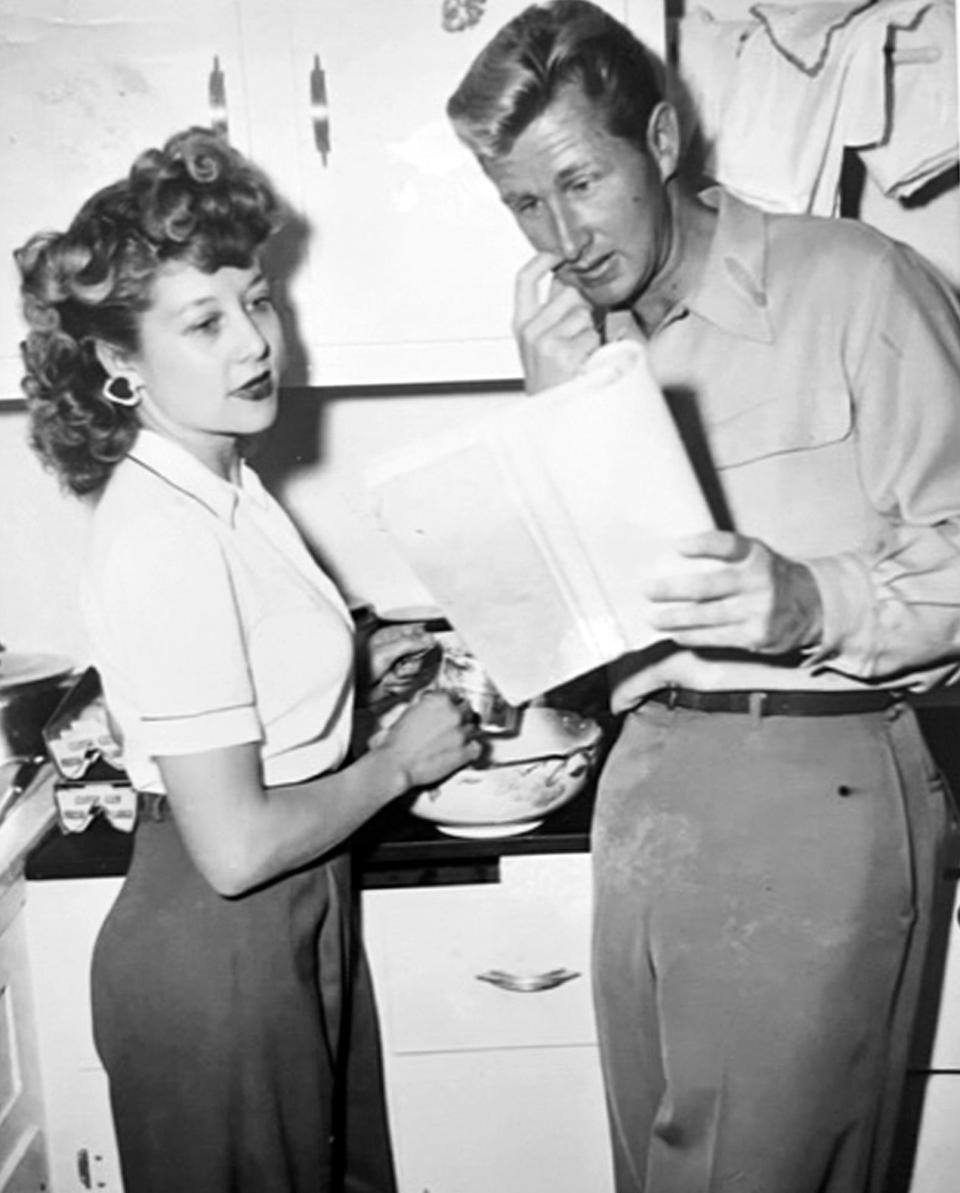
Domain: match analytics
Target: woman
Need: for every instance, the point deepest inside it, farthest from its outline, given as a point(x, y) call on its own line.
point(232, 1009)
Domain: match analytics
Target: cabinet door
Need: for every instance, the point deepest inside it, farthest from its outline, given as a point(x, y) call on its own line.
point(936, 1161)
point(492, 1082)
point(85, 85)
point(459, 967)
point(63, 920)
point(942, 997)
point(408, 256)
point(22, 1158)
point(25, 1171)
point(517, 1120)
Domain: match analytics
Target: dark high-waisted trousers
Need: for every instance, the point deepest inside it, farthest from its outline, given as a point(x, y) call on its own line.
point(239, 1035)
point(763, 896)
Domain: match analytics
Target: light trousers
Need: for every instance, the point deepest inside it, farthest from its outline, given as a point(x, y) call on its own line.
point(763, 892)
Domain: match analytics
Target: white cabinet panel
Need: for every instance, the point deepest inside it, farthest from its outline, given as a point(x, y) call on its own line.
point(22, 1154)
point(945, 1053)
point(515, 1121)
point(25, 1170)
point(491, 1088)
point(936, 1167)
point(405, 257)
point(432, 944)
point(63, 920)
point(84, 87)
point(409, 256)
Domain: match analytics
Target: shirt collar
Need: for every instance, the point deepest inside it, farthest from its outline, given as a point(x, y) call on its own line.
point(733, 291)
point(179, 468)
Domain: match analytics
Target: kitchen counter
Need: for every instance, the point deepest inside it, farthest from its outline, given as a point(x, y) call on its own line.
point(393, 849)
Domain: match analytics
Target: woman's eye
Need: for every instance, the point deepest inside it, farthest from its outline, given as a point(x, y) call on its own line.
point(207, 326)
point(262, 302)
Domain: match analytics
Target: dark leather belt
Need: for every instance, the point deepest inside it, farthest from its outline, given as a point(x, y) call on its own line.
point(776, 703)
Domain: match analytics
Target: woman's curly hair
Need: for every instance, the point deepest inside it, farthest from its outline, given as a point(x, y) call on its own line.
point(197, 201)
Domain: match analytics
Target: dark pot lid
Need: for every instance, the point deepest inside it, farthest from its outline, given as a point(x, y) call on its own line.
point(24, 667)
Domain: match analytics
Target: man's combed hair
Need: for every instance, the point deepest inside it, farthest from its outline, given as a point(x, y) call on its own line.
point(532, 58)
point(196, 201)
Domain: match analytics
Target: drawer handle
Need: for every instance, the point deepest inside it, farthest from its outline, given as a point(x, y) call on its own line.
point(530, 983)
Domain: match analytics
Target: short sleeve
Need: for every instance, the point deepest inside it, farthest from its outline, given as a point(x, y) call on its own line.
point(170, 608)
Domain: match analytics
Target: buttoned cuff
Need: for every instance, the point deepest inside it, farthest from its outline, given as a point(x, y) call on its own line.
point(847, 602)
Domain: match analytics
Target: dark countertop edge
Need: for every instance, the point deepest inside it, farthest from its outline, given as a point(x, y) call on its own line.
point(393, 849)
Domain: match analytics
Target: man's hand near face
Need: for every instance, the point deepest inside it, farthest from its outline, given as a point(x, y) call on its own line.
point(555, 336)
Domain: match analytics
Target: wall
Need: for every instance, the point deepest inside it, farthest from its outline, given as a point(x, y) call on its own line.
point(41, 545)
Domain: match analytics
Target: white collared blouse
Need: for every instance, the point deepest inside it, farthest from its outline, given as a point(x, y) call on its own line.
point(210, 623)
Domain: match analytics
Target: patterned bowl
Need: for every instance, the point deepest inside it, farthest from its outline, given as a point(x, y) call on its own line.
point(520, 780)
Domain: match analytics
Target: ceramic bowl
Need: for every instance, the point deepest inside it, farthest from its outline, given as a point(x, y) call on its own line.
point(520, 780)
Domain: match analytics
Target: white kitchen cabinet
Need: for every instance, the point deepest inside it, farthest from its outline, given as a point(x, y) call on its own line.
point(936, 1161)
point(410, 259)
point(488, 1087)
point(405, 258)
point(23, 1162)
point(492, 1082)
point(933, 1088)
point(945, 1051)
point(85, 85)
point(63, 918)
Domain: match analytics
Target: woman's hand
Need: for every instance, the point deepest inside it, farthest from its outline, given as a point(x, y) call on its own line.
point(432, 737)
point(400, 659)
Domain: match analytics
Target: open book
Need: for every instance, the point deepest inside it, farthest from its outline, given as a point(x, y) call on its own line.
point(534, 530)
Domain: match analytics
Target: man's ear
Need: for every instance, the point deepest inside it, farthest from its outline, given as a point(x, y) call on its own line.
point(663, 139)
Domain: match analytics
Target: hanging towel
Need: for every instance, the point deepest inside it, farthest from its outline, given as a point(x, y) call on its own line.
point(803, 83)
point(803, 33)
point(922, 135)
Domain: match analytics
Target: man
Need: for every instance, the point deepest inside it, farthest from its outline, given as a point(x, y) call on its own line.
point(768, 821)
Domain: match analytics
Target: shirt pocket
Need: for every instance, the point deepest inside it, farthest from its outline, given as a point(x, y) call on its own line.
point(798, 422)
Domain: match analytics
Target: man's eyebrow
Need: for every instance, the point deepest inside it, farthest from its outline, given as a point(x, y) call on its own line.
point(570, 171)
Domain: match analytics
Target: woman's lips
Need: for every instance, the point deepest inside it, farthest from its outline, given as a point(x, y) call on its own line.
point(257, 389)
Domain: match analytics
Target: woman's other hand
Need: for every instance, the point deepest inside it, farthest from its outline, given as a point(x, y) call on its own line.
point(433, 736)
point(400, 659)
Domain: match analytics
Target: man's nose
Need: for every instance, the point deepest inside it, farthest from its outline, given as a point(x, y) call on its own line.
point(570, 234)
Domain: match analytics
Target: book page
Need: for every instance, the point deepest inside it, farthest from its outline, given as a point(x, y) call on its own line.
point(535, 530)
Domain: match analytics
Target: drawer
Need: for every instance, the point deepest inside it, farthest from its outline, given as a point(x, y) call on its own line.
point(469, 967)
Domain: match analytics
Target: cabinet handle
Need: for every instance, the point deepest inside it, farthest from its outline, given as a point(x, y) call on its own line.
point(217, 95)
point(319, 109)
point(527, 983)
point(83, 1167)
